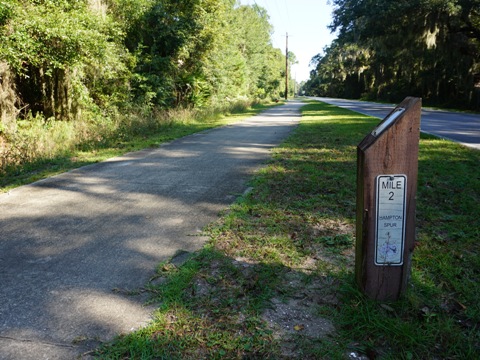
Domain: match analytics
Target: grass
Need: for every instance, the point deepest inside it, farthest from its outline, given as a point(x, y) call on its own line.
point(290, 241)
point(103, 140)
point(289, 245)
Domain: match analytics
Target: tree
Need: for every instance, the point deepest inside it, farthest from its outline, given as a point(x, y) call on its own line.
point(428, 48)
point(242, 61)
point(68, 56)
point(51, 45)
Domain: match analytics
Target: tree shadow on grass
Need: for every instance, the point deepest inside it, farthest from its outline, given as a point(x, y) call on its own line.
point(214, 306)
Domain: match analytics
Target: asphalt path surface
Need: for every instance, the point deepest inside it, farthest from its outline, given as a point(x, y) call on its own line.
point(460, 127)
point(73, 245)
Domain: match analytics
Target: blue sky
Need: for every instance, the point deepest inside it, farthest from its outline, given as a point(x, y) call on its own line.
point(306, 22)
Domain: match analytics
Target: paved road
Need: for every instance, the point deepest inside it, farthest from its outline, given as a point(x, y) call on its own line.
point(459, 127)
point(67, 242)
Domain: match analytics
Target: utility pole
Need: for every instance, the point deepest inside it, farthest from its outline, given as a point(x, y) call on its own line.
point(286, 69)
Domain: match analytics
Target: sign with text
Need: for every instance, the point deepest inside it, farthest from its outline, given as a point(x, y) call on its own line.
point(387, 174)
point(390, 219)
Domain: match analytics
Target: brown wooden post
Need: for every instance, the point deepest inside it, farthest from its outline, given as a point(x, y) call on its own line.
point(387, 167)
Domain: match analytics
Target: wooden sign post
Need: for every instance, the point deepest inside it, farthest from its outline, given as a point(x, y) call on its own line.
point(387, 167)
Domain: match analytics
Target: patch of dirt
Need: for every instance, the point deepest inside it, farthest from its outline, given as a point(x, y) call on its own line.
point(294, 314)
point(330, 227)
point(296, 317)
point(333, 243)
point(202, 288)
point(289, 320)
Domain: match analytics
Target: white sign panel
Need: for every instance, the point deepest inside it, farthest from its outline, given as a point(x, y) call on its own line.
point(391, 191)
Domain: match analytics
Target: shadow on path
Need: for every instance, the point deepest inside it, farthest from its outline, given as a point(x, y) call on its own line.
point(73, 244)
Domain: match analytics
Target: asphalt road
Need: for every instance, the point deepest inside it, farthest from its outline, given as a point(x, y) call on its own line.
point(460, 127)
point(71, 245)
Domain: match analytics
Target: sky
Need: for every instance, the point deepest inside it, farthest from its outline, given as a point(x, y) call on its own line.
point(306, 23)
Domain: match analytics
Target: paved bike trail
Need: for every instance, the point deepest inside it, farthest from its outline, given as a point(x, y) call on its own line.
point(70, 242)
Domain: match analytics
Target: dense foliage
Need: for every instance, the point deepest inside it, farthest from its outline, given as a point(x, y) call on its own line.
point(389, 49)
point(66, 59)
point(78, 74)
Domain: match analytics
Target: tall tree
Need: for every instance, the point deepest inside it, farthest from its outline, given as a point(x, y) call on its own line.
point(52, 46)
point(243, 61)
point(70, 55)
point(428, 48)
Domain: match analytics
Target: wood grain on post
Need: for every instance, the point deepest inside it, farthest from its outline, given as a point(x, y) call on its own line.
point(391, 149)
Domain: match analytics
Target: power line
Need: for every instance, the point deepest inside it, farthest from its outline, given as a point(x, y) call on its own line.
point(270, 14)
point(280, 15)
point(287, 12)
